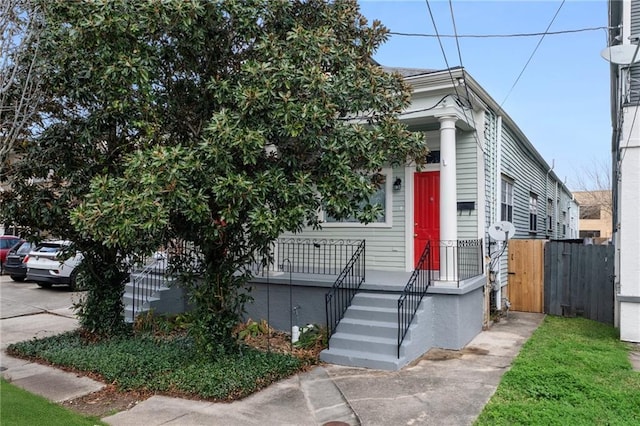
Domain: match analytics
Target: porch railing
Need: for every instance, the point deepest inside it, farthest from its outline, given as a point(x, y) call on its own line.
point(413, 293)
point(458, 260)
point(309, 256)
point(339, 298)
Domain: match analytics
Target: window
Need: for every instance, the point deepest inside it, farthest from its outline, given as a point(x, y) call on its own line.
point(564, 224)
point(589, 212)
point(506, 200)
point(433, 157)
point(549, 215)
point(589, 234)
point(381, 197)
point(533, 213)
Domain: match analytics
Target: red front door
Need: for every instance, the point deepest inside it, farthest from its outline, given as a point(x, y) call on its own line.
point(426, 212)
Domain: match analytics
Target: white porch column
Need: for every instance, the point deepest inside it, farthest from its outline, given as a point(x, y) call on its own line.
point(448, 199)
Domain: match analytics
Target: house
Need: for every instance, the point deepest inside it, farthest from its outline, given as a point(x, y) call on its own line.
point(595, 215)
point(418, 277)
point(624, 21)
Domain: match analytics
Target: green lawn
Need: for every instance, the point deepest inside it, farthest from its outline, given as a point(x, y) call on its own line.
point(19, 407)
point(572, 371)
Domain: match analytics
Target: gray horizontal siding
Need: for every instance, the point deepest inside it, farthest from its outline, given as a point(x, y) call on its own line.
point(467, 183)
point(385, 247)
point(634, 94)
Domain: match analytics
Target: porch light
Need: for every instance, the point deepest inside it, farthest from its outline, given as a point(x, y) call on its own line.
point(397, 184)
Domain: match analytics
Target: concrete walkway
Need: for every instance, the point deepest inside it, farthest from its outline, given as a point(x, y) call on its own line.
point(443, 387)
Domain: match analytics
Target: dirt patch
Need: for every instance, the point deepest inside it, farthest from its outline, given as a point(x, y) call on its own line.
point(105, 402)
point(437, 354)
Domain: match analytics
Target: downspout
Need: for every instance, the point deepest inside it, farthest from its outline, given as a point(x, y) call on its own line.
point(498, 275)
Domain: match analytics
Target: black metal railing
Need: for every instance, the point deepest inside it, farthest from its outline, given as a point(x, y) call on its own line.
point(413, 293)
point(146, 282)
point(470, 262)
point(149, 274)
point(339, 298)
point(308, 256)
point(458, 260)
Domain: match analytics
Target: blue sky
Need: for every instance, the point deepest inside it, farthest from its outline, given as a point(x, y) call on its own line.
point(561, 101)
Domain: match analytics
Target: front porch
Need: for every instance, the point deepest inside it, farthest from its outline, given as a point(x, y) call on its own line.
point(375, 318)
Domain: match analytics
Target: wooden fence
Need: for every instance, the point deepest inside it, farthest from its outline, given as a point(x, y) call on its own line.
point(525, 268)
point(579, 280)
point(562, 278)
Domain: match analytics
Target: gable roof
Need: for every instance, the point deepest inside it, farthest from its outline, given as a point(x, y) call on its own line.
point(411, 72)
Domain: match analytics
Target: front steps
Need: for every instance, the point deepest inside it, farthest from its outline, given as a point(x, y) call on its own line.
point(367, 336)
point(151, 290)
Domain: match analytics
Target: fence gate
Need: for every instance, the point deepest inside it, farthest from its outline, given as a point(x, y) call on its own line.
point(578, 280)
point(526, 273)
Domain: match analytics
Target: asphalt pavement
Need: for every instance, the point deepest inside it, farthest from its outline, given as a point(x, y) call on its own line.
point(443, 387)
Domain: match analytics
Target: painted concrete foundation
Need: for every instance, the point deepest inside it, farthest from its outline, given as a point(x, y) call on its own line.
point(449, 318)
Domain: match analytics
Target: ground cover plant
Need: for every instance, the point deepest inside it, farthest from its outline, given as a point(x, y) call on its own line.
point(167, 363)
point(19, 407)
point(571, 371)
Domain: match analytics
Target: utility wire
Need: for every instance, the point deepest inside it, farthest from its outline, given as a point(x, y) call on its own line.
point(453, 82)
point(435, 27)
point(533, 53)
point(466, 88)
point(577, 30)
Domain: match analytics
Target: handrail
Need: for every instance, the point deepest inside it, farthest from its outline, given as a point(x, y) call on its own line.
point(339, 298)
point(145, 293)
point(411, 297)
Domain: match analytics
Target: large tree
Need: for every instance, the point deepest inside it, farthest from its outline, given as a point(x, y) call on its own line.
point(224, 123)
point(19, 76)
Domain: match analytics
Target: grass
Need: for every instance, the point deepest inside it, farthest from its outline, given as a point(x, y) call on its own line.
point(19, 407)
point(165, 364)
point(571, 371)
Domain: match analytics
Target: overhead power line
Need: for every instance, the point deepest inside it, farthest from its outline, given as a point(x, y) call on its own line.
point(578, 30)
point(533, 53)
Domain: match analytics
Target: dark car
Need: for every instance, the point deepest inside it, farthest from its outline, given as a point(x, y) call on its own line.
point(14, 265)
point(6, 243)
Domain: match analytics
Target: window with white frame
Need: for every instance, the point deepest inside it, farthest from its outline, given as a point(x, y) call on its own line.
point(533, 212)
point(549, 215)
point(382, 198)
point(506, 200)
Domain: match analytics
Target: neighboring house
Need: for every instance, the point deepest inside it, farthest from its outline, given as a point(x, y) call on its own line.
point(482, 169)
point(624, 19)
point(595, 215)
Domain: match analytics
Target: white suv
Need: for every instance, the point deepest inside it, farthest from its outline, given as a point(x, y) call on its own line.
point(46, 267)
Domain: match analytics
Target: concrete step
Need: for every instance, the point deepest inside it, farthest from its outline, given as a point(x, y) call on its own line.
point(371, 328)
point(372, 313)
point(149, 281)
point(380, 300)
point(128, 298)
point(364, 344)
point(359, 359)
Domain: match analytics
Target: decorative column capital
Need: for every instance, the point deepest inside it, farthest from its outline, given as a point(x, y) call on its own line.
point(447, 121)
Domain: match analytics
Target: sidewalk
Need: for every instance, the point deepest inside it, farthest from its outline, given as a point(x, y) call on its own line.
point(444, 387)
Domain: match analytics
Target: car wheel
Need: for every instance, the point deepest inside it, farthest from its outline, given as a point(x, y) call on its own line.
point(44, 285)
point(73, 281)
point(17, 278)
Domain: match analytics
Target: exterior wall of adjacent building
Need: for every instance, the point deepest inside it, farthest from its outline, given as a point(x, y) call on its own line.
point(625, 101)
point(595, 215)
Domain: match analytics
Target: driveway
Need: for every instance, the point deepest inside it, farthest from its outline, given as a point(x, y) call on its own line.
point(28, 311)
